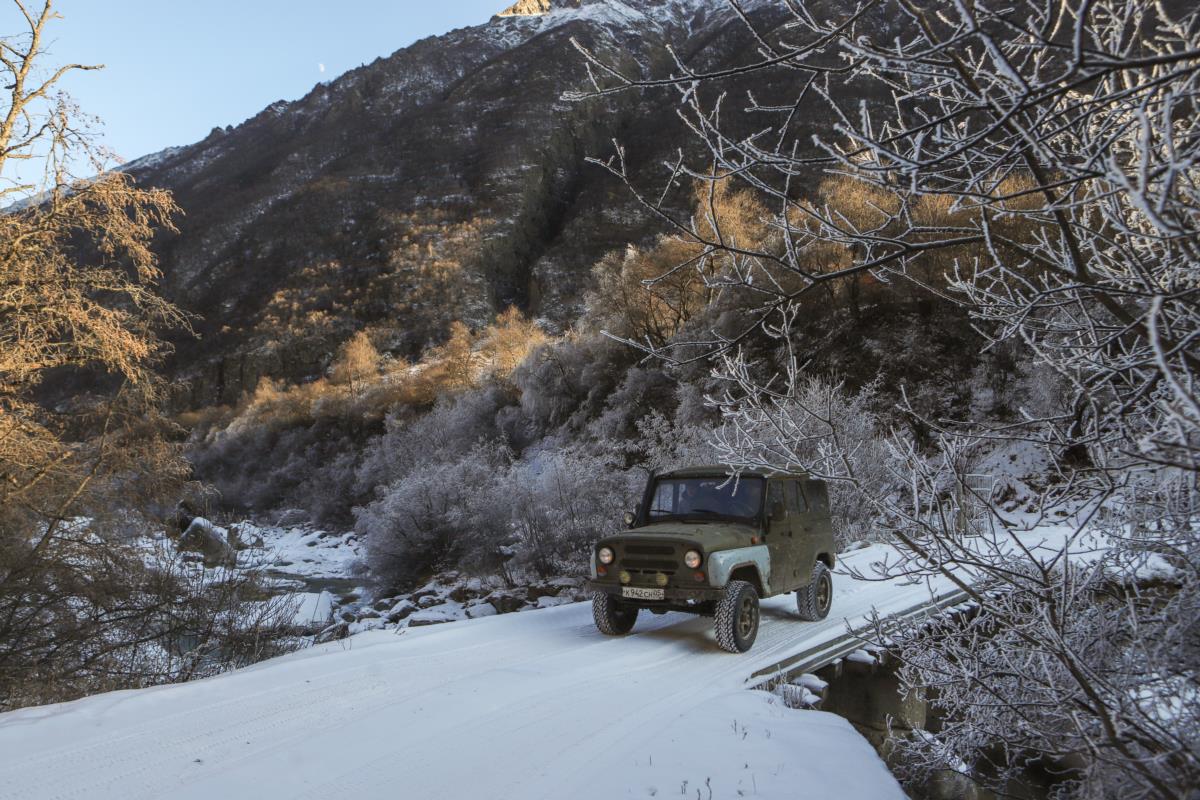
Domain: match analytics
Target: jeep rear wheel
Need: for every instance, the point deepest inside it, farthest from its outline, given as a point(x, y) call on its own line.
point(737, 617)
point(814, 600)
point(613, 618)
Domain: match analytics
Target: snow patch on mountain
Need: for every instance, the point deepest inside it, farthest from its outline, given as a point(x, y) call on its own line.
point(618, 13)
point(152, 160)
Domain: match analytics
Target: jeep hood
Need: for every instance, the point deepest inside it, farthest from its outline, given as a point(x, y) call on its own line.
point(710, 536)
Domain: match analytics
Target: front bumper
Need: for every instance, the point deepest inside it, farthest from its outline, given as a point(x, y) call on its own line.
point(672, 595)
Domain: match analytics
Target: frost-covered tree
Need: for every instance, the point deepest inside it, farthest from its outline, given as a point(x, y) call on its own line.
point(437, 516)
point(1037, 162)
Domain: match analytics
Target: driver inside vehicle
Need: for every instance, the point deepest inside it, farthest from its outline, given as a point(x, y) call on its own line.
point(710, 497)
point(693, 498)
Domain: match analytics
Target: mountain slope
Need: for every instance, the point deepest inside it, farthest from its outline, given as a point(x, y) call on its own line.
point(444, 182)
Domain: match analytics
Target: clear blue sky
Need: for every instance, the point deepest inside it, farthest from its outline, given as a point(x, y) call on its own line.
point(177, 68)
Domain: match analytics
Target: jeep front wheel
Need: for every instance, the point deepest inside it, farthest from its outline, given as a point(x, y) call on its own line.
point(814, 600)
point(737, 617)
point(612, 617)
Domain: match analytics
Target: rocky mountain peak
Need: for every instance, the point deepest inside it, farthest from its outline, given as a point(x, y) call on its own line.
point(534, 8)
point(621, 8)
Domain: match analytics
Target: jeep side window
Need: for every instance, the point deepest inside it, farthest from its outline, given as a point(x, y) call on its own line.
point(776, 497)
point(796, 495)
point(817, 496)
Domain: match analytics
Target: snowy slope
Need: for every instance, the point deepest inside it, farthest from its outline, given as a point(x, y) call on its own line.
point(534, 705)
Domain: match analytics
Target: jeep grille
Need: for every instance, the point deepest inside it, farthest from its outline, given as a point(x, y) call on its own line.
point(645, 560)
point(646, 563)
point(650, 549)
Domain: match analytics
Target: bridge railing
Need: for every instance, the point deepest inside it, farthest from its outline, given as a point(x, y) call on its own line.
point(832, 651)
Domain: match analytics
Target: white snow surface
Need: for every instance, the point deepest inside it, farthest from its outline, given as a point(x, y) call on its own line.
point(313, 609)
point(307, 552)
point(533, 705)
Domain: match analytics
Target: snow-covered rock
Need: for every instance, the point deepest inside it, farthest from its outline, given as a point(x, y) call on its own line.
point(479, 609)
point(401, 610)
point(314, 609)
point(446, 612)
point(208, 540)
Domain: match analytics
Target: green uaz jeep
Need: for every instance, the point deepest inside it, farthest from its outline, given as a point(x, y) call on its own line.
point(706, 543)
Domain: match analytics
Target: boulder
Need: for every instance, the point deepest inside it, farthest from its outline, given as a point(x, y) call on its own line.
point(241, 536)
point(290, 517)
point(365, 625)
point(401, 610)
point(506, 601)
point(448, 612)
point(338, 630)
point(481, 609)
point(201, 537)
point(427, 590)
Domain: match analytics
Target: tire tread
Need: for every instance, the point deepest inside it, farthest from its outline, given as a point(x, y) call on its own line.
point(806, 596)
point(725, 616)
point(608, 616)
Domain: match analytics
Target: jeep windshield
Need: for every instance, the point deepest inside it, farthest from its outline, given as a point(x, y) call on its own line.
point(717, 497)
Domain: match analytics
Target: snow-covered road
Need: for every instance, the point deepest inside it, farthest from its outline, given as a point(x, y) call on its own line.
point(531, 705)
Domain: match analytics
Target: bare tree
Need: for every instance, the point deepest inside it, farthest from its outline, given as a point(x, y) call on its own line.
point(82, 606)
point(1038, 162)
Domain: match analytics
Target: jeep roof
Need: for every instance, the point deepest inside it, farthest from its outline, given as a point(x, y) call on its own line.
point(709, 470)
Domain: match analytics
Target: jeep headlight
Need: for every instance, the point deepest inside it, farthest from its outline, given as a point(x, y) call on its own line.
point(605, 555)
point(692, 559)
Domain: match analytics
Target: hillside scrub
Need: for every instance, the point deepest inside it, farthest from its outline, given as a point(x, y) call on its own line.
point(310, 437)
point(384, 445)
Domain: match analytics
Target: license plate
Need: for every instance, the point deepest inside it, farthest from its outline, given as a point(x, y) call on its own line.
point(637, 593)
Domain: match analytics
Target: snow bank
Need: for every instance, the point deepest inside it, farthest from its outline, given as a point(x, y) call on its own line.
point(748, 744)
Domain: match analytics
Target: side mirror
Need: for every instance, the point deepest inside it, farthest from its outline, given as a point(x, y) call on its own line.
point(630, 518)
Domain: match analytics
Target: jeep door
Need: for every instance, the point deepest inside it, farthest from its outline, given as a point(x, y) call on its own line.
point(783, 541)
point(805, 527)
point(818, 521)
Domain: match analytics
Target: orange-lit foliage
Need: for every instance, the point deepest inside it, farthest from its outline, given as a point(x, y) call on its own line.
point(649, 293)
point(357, 364)
point(864, 208)
point(364, 385)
